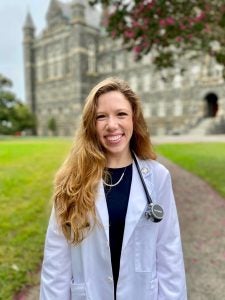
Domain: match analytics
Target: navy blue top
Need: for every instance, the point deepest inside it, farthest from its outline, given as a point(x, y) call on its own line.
point(117, 198)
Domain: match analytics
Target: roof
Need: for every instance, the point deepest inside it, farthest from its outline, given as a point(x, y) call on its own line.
point(92, 15)
point(29, 21)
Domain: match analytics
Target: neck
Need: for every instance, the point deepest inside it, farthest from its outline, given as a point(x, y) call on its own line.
point(119, 161)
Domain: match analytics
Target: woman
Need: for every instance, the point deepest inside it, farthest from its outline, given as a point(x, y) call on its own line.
point(101, 243)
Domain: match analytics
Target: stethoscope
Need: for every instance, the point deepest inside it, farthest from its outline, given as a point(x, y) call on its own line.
point(154, 212)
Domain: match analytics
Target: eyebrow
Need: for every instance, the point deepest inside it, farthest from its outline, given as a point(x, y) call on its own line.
point(118, 110)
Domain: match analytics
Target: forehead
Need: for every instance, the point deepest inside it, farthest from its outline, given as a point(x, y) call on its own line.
point(113, 100)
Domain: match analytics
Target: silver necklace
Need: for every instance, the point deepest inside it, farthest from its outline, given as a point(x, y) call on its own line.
point(114, 184)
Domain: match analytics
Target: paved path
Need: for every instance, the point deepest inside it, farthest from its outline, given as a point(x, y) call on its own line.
point(188, 139)
point(202, 220)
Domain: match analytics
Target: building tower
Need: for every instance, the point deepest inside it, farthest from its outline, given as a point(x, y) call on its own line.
point(80, 54)
point(54, 16)
point(29, 61)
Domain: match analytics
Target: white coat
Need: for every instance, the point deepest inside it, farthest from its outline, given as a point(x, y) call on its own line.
point(151, 266)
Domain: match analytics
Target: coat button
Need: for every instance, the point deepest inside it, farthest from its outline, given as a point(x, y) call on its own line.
point(110, 279)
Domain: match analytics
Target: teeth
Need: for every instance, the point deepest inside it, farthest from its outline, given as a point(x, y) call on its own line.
point(114, 138)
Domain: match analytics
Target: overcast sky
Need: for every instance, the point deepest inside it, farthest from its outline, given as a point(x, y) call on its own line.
point(12, 16)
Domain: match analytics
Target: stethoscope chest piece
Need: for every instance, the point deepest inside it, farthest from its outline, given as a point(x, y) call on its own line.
point(154, 212)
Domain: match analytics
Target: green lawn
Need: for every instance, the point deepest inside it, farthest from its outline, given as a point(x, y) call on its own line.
point(27, 168)
point(206, 160)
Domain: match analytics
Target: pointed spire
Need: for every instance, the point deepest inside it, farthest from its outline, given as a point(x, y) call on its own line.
point(78, 2)
point(29, 22)
point(54, 8)
point(78, 10)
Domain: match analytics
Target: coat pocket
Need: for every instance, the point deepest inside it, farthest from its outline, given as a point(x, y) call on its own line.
point(78, 291)
point(145, 247)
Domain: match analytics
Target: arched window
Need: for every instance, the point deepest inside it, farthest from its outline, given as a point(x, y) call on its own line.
point(178, 108)
point(161, 109)
point(119, 61)
point(91, 59)
point(134, 82)
point(211, 100)
point(146, 82)
point(147, 110)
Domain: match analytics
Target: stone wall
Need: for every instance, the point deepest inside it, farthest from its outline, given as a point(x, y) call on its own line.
point(71, 56)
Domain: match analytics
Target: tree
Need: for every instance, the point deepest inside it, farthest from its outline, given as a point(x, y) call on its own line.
point(168, 27)
point(52, 126)
point(14, 115)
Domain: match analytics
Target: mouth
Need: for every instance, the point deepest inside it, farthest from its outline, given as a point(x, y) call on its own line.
point(114, 139)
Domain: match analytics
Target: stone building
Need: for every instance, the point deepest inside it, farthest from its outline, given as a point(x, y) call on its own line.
point(73, 53)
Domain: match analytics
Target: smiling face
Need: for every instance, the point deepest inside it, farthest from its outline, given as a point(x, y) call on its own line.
point(114, 125)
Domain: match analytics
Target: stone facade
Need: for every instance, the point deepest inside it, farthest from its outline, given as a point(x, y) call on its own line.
point(73, 53)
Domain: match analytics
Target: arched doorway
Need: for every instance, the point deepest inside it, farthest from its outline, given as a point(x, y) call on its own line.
point(211, 105)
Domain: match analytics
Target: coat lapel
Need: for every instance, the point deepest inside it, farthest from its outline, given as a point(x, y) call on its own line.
point(137, 200)
point(136, 206)
point(102, 210)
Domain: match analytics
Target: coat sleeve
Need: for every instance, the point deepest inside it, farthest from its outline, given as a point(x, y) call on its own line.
point(56, 268)
point(170, 265)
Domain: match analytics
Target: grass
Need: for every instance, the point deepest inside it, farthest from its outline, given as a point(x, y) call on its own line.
point(207, 160)
point(27, 168)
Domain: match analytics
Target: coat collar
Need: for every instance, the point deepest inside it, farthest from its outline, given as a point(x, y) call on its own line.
point(137, 201)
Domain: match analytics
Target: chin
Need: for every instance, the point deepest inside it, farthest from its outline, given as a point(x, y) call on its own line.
point(117, 151)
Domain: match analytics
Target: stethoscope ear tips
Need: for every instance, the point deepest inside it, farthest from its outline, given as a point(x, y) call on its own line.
point(154, 212)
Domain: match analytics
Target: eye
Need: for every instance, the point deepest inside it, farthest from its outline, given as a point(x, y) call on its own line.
point(100, 117)
point(122, 114)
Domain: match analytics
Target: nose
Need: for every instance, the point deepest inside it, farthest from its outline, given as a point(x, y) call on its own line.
point(112, 123)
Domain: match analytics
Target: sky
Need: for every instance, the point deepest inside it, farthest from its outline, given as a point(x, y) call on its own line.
point(12, 17)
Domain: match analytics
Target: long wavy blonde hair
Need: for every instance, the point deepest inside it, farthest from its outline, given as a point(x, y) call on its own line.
point(77, 180)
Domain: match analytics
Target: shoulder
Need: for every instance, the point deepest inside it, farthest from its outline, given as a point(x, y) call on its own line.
point(155, 167)
point(156, 174)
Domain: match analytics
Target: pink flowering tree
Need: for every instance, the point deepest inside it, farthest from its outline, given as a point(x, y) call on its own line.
point(171, 27)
